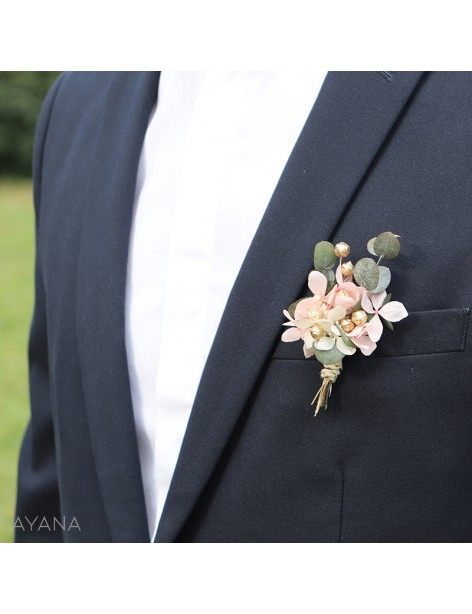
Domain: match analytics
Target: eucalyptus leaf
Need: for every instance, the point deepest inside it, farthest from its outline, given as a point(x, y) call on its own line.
point(329, 357)
point(345, 338)
point(329, 274)
point(387, 245)
point(366, 273)
point(325, 257)
point(384, 279)
point(370, 246)
point(387, 324)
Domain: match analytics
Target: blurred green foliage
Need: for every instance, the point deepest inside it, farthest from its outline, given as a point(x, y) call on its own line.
point(21, 96)
point(16, 304)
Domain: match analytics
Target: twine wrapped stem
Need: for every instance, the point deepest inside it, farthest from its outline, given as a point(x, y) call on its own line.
point(329, 374)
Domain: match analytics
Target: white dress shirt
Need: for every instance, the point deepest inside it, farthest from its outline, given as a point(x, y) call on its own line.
point(214, 150)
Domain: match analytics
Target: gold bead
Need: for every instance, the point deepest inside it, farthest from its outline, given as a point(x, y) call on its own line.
point(317, 332)
point(346, 324)
point(347, 269)
point(359, 317)
point(342, 250)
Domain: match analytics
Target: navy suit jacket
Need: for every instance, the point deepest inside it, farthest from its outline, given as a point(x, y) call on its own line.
point(391, 459)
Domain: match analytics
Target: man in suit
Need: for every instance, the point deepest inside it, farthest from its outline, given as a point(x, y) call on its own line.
point(170, 237)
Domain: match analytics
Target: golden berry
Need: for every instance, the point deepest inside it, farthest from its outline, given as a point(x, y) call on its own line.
point(347, 269)
point(359, 317)
point(342, 250)
point(347, 325)
point(317, 331)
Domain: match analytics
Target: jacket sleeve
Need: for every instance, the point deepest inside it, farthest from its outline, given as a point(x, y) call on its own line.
point(38, 493)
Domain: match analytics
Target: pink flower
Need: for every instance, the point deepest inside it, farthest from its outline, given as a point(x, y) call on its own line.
point(309, 309)
point(344, 294)
point(392, 312)
point(307, 312)
point(294, 333)
point(366, 336)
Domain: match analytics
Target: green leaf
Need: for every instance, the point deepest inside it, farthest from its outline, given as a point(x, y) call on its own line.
point(370, 246)
point(387, 245)
point(325, 257)
point(387, 323)
point(329, 274)
point(329, 357)
point(384, 279)
point(291, 308)
point(366, 273)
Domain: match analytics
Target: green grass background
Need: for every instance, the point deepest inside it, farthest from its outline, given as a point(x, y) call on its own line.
point(16, 304)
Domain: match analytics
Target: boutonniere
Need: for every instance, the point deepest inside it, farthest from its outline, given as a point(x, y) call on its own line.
point(347, 310)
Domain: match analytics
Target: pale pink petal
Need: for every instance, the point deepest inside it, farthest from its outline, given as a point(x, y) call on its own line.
point(308, 353)
point(351, 287)
point(356, 332)
point(306, 305)
point(291, 334)
point(355, 292)
point(317, 283)
point(345, 301)
point(366, 345)
point(308, 339)
point(329, 298)
point(366, 303)
point(325, 343)
point(287, 315)
point(378, 299)
point(393, 311)
point(339, 275)
point(374, 328)
point(335, 314)
point(302, 323)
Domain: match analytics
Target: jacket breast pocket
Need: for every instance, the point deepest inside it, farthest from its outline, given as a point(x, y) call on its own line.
point(422, 332)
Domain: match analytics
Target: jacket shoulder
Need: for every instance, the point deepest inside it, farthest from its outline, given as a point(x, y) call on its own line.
point(75, 94)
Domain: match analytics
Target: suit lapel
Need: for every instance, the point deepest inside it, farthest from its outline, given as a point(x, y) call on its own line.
point(352, 117)
point(101, 282)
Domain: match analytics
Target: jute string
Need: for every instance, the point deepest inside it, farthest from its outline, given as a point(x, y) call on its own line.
point(329, 374)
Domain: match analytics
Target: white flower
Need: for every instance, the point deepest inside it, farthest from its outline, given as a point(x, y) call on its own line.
point(330, 333)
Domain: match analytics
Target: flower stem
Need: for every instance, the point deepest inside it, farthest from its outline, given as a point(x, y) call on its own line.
point(329, 374)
